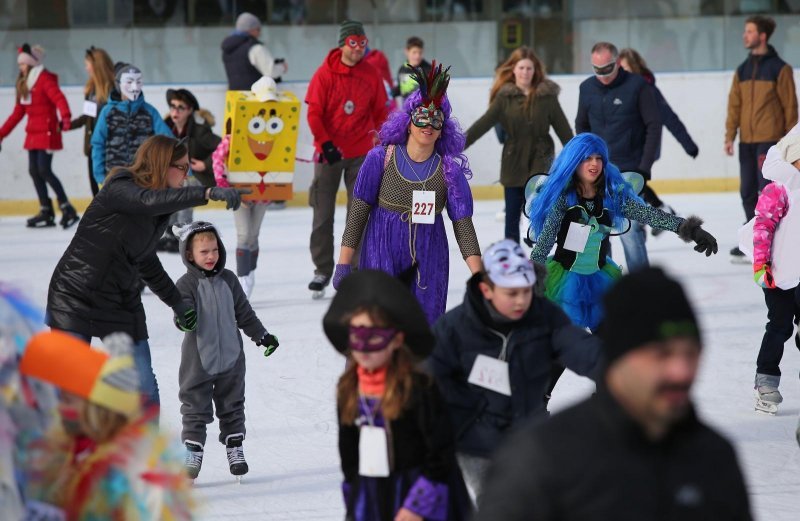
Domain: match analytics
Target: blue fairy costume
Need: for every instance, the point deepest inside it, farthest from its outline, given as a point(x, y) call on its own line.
point(581, 270)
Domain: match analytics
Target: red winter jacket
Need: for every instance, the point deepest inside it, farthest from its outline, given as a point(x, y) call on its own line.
point(43, 129)
point(345, 104)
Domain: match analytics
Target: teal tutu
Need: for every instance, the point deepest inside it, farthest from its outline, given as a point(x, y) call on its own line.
point(580, 296)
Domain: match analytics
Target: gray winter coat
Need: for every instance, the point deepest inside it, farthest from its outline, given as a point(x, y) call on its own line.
point(222, 309)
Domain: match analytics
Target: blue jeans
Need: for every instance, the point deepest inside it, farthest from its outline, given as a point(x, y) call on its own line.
point(634, 247)
point(515, 199)
point(148, 386)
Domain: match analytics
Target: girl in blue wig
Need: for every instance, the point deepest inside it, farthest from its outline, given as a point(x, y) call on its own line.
point(583, 200)
point(404, 184)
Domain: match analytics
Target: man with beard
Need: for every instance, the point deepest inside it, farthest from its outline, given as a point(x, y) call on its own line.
point(636, 449)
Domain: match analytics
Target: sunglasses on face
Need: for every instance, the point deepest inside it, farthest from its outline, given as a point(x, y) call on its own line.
point(605, 70)
point(370, 339)
point(428, 117)
point(356, 41)
point(178, 108)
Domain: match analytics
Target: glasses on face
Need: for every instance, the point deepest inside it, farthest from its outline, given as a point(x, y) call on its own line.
point(183, 167)
point(605, 70)
point(428, 117)
point(178, 108)
point(356, 41)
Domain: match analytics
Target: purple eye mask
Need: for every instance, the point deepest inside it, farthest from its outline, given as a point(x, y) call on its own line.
point(370, 339)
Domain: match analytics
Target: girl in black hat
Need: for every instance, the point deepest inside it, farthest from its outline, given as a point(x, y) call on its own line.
point(395, 440)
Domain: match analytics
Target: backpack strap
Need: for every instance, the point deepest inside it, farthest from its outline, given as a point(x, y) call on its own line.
point(388, 156)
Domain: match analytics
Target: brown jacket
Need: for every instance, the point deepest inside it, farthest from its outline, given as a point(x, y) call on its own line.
point(762, 104)
point(528, 149)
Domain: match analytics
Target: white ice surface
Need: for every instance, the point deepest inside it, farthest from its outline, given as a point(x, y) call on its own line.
point(291, 442)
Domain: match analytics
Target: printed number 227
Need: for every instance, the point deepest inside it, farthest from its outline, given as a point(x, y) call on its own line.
point(423, 208)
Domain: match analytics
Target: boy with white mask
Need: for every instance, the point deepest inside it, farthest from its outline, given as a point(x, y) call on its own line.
point(125, 122)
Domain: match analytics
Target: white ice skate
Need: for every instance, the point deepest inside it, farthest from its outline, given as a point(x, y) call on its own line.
point(248, 282)
point(318, 285)
point(767, 399)
point(194, 459)
point(236, 461)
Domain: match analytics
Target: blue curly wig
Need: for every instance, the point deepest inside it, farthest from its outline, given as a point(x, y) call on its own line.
point(562, 178)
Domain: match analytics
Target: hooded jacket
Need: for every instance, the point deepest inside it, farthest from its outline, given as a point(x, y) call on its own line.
point(121, 127)
point(240, 72)
point(43, 129)
point(95, 289)
point(481, 417)
point(221, 305)
point(626, 115)
point(345, 105)
point(528, 147)
point(762, 103)
point(593, 461)
point(202, 142)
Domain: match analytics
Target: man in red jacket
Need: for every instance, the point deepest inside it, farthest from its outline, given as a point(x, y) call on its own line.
point(346, 104)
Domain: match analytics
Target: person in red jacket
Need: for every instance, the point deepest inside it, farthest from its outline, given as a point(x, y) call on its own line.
point(380, 63)
point(38, 97)
point(346, 105)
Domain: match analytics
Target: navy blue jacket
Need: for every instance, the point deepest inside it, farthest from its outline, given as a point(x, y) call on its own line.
point(240, 72)
point(480, 417)
point(672, 122)
point(626, 115)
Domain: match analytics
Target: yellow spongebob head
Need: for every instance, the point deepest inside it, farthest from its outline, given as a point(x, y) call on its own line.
point(263, 133)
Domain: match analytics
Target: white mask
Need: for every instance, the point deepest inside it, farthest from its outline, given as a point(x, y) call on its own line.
point(130, 85)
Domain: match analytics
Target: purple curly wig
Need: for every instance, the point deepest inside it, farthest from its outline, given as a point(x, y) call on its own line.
point(450, 145)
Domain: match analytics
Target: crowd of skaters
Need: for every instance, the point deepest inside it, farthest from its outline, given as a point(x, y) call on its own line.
point(419, 418)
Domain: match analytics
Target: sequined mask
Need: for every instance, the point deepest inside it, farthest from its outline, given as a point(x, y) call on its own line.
point(370, 339)
point(429, 116)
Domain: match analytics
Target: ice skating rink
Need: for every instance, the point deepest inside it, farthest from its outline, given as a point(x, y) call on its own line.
point(291, 443)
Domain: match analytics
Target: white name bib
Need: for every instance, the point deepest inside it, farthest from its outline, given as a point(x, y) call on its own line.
point(490, 373)
point(577, 237)
point(423, 207)
point(90, 108)
point(373, 452)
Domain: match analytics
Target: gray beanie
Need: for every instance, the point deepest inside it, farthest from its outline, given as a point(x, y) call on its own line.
point(247, 22)
point(348, 28)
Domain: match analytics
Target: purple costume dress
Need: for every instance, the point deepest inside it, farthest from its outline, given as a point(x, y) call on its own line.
point(381, 212)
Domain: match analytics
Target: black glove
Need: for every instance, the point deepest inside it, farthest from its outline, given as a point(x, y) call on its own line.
point(705, 242)
point(185, 317)
point(331, 153)
point(269, 343)
point(231, 196)
point(693, 152)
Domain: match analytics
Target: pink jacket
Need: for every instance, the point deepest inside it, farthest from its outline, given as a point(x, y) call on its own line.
point(773, 203)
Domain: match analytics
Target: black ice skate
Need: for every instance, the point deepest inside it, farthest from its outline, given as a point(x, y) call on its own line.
point(68, 216)
point(194, 459)
point(318, 285)
point(233, 446)
point(45, 218)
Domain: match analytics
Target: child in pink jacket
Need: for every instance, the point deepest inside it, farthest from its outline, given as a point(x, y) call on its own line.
point(774, 261)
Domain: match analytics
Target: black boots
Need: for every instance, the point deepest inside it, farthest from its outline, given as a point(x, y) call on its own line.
point(45, 218)
point(68, 216)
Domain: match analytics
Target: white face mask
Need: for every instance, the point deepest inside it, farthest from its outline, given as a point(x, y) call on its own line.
point(130, 84)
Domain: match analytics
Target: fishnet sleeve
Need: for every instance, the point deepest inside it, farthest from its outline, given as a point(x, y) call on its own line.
point(465, 236)
point(357, 219)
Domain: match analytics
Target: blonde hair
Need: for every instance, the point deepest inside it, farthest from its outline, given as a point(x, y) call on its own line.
point(399, 378)
point(504, 73)
point(101, 81)
point(152, 161)
point(100, 424)
point(203, 233)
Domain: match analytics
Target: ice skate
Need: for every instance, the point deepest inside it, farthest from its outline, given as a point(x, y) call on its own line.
point(318, 285)
point(233, 446)
point(738, 256)
point(194, 459)
point(248, 282)
point(45, 218)
point(68, 216)
point(767, 399)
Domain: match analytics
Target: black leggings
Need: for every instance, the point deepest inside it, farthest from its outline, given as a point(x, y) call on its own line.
point(39, 167)
point(651, 198)
point(92, 182)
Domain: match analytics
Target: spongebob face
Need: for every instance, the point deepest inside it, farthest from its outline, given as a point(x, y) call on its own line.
point(263, 133)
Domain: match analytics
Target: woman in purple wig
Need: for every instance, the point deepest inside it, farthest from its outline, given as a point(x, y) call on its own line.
point(417, 171)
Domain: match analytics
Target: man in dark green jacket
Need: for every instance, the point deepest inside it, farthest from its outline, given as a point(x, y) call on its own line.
point(636, 450)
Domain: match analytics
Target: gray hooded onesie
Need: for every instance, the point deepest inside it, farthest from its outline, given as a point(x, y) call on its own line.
point(212, 357)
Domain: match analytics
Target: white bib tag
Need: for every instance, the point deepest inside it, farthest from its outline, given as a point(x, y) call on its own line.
point(490, 373)
point(423, 207)
point(373, 452)
point(577, 237)
point(90, 108)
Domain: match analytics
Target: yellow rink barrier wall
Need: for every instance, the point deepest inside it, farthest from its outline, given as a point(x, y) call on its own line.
point(665, 186)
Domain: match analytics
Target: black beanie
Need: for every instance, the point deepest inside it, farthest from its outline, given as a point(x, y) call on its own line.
point(349, 28)
point(645, 306)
